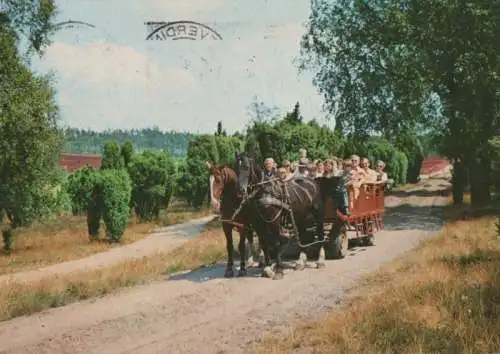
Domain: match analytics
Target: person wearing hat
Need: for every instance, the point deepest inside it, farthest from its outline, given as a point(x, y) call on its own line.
point(269, 169)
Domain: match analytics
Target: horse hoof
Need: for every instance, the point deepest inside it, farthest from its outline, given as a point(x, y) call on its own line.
point(300, 266)
point(320, 265)
point(242, 273)
point(229, 273)
point(268, 272)
point(278, 276)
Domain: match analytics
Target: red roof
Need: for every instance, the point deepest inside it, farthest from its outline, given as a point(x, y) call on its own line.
point(72, 162)
point(433, 164)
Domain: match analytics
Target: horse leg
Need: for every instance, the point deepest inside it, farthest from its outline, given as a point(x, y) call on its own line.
point(320, 233)
point(251, 246)
point(242, 249)
point(302, 261)
point(267, 248)
point(279, 271)
point(262, 253)
point(228, 232)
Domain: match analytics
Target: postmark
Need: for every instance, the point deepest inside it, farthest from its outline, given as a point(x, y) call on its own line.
point(179, 30)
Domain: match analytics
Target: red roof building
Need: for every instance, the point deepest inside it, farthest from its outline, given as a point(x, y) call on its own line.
point(72, 162)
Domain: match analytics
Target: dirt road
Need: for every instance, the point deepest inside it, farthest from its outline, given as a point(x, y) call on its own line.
point(161, 240)
point(201, 312)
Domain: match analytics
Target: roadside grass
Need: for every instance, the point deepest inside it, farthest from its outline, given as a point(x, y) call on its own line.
point(66, 239)
point(444, 297)
point(18, 299)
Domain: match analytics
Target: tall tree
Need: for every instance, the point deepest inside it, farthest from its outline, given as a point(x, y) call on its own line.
point(382, 63)
point(31, 20)
point(30, 140)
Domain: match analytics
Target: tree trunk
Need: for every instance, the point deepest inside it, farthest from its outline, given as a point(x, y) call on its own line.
point(480, 182)
point(459, 182)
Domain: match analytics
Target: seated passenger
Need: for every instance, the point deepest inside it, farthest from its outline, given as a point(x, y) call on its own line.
point(336, 166)
point(269, 169)
point(328, 172)
point(302, 166)
point(288, 169)
point(313, 170)
point(320, 168)
point(370, 175)
point(346, 180)
point(379, 169)
point(282, 173)
point(357, 172)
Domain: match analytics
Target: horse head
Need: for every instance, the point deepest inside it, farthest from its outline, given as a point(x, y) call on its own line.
point(247, 171)
point(216, 185)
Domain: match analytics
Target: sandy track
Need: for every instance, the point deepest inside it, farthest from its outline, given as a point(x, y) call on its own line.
point(201, 312)
point(162, 239)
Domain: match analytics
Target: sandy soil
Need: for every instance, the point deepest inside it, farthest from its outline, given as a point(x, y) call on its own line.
point(161, 240)
point(201, 312)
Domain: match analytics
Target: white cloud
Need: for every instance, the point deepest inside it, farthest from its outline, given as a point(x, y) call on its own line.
point(106, 63)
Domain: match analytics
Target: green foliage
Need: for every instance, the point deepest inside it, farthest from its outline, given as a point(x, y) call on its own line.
point(112, 157)
point(31, 19)
point(410, 144)
point(116, 194)
point(53, 198)
point(80, 186)
point(282, 139)
point(87, 141)
point(95, 207)
point(153, 180)
point(398, 67)
point(127, 152)
point(29, 137)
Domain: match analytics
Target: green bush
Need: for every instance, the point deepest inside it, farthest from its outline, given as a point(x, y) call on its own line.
point(192, 184)
point(112, 157)
point(116, 194)
point(80, 187)
point(127, 152)
point(153, 180)
point(94, 207)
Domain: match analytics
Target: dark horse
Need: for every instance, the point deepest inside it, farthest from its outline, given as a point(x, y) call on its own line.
point(272, 203)
point(226, 199)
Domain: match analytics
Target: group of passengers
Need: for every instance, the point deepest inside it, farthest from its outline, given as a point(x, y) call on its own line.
point(353, 171)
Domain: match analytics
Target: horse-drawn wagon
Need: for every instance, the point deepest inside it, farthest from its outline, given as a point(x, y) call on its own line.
point(364, 219)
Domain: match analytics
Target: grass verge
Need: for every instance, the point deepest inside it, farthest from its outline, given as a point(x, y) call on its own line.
point(24, 299)
point(66, 239)
point(443, 297)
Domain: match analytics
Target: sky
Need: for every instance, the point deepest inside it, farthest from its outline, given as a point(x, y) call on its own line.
point(111, 77)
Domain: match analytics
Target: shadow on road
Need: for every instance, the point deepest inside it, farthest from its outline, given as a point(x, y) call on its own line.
point(412, 217)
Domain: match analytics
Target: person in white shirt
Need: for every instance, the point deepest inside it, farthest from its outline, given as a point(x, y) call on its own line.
point(379, 169)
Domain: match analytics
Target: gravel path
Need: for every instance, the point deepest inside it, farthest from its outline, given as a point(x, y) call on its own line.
point(160, 240)
point(201, 312)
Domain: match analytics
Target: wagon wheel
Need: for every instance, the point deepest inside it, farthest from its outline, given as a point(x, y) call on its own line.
point(339, 243)
point(342, 243)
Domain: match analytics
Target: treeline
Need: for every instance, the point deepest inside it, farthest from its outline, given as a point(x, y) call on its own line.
point(91, 142)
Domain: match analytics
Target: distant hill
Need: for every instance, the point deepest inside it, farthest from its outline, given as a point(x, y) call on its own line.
point(91, 142)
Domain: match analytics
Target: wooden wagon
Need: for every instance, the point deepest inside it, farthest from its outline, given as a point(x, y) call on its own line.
point(365, 217)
